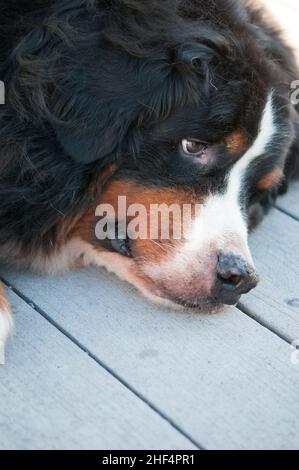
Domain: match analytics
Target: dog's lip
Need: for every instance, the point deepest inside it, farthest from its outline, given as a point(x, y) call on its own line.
point(205, 304)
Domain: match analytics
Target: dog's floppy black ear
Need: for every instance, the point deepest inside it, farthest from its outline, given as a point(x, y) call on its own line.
point(91, 127)
point(87, 145)
point(47, 88)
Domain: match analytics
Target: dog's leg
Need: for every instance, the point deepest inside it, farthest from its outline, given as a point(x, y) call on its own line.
point(6, 323)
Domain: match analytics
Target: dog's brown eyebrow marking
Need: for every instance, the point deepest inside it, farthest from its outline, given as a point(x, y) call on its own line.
point(3, 301)
point(271, 179)
point(236, 142)
point(108, 170)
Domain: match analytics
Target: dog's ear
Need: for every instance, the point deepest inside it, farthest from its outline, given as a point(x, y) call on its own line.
point(44, 90)
point(84, 148)
point(86, 143)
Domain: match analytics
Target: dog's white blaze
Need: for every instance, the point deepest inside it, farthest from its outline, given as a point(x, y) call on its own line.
point(266, 134)
point(220, 221)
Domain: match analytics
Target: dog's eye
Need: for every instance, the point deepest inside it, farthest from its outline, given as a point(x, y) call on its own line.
point(121, 246)
point(193, 148)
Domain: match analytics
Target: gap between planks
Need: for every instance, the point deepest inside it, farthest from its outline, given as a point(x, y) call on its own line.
point(285, 212)
point(108, 369)
point(245, 311)
point(242, 308)
point(264, 324)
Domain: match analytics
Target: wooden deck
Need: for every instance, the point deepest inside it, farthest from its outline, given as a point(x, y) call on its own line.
point(94, 366)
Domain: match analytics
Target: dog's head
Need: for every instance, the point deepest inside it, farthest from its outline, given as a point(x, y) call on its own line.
point(190, 104)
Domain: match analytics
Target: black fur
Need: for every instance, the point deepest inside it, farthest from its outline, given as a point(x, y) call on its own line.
point(93, 82)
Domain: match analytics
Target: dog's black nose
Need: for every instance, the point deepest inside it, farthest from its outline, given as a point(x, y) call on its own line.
point(234, 278)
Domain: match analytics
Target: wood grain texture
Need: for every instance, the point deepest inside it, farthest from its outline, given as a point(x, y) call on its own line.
point(276, 252)
point(224, 379)
point(54, 396)
point(290, 202)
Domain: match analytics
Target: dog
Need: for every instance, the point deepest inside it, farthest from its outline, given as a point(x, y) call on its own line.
point(172, 102)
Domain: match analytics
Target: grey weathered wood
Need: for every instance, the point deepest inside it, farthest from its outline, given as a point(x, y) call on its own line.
point(54, 396)
point(276, 251)
point(290, 202)
point(224, 379)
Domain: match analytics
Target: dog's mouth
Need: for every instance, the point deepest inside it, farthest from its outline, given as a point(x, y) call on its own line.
point(154, 290)
point(204, 303)
point(203, 306)
point(163, 288)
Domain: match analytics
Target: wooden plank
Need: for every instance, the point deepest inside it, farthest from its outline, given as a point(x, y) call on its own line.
point(224, 379)
point(275, 302)
point(290, 202)
point(54, 396)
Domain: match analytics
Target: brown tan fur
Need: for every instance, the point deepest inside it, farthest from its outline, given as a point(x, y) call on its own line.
point(3, 302)
point(272, 179)
point(148, 249)
point(236, 142)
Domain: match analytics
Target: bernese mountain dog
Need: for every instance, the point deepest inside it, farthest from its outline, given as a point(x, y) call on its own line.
point(163, 102)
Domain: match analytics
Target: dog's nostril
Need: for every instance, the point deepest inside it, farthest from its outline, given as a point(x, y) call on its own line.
point(235, 275)
point(229, 280)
